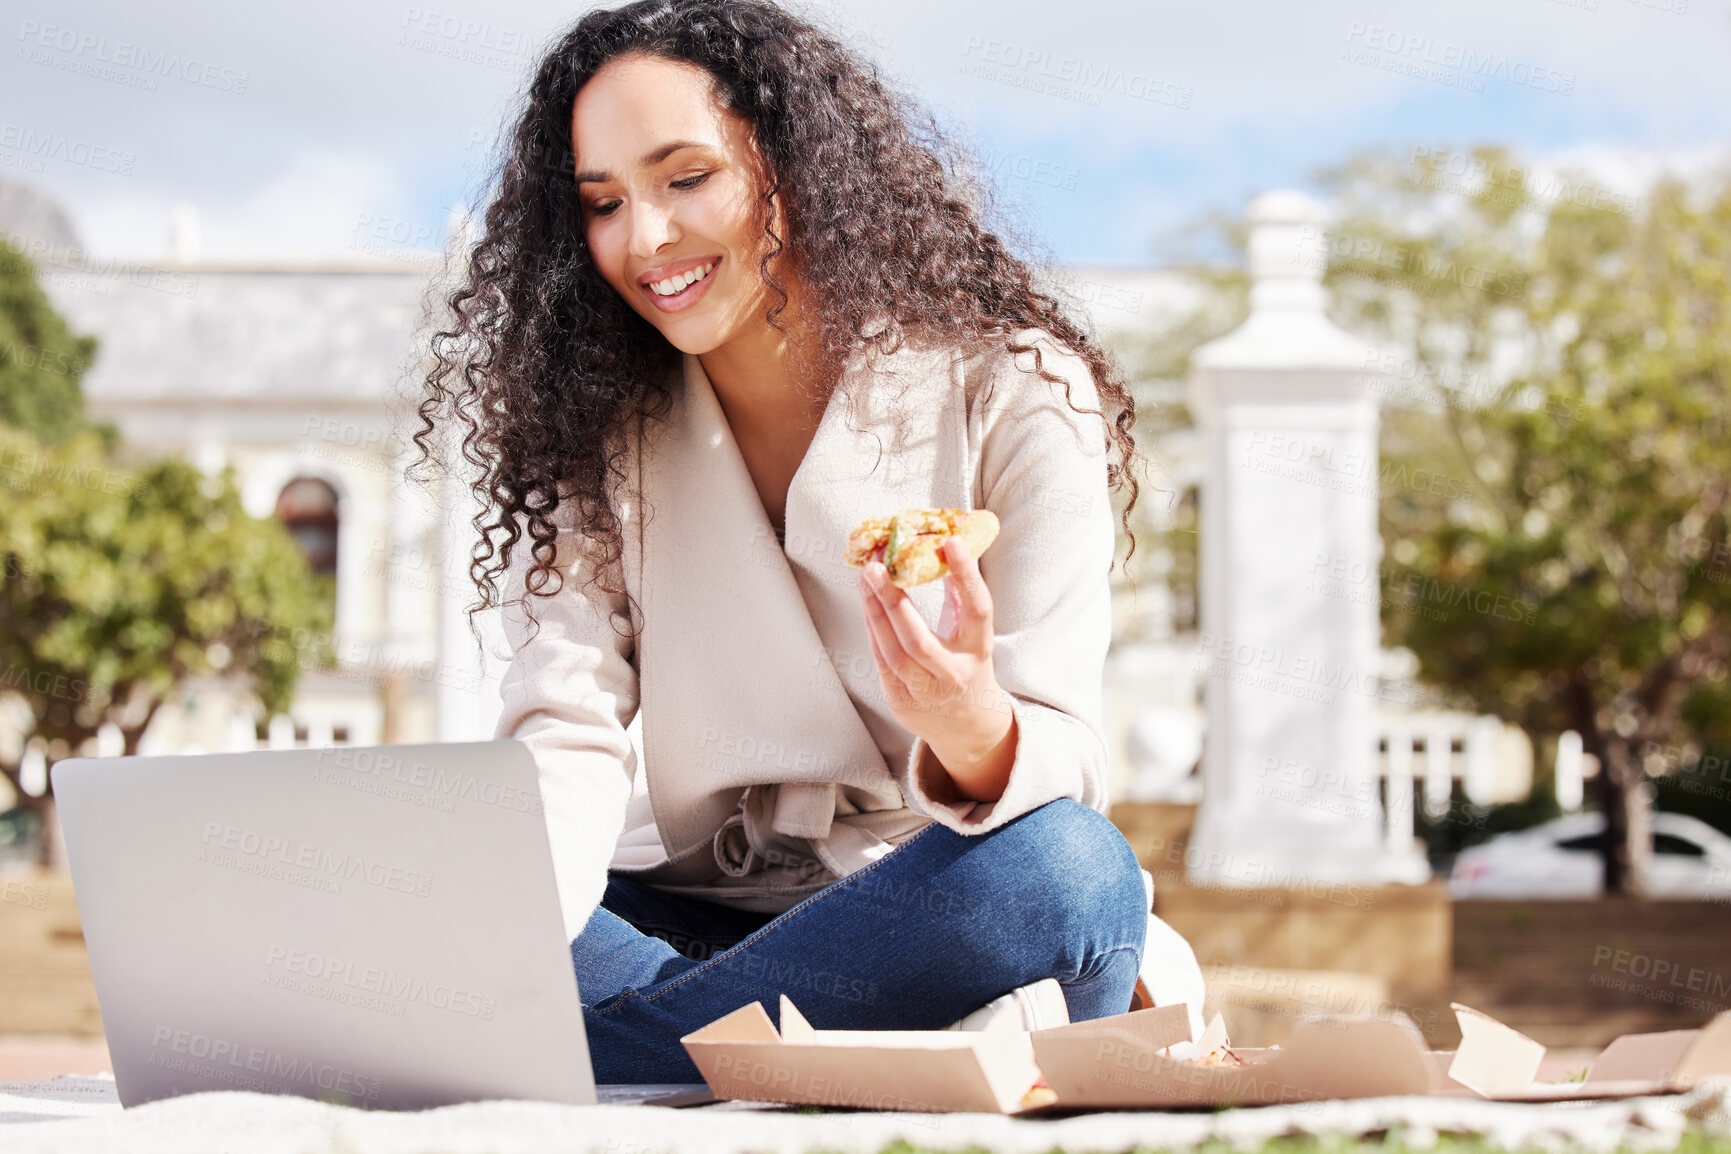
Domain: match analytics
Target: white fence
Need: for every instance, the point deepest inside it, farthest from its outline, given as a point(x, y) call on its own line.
point(1156, 725)
point(1430, 751)
point(315, 725)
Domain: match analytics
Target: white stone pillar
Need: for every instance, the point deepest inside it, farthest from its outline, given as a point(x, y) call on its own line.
point(359, 520)
point(1290, 630)
point(408, 560)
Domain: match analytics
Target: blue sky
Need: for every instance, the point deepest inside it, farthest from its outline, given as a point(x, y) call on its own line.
point(322, 128)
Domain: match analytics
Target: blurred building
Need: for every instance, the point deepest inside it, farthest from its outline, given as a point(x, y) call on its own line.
point(299, 377)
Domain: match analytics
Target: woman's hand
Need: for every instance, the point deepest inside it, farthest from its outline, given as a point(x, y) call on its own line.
point(941, 687)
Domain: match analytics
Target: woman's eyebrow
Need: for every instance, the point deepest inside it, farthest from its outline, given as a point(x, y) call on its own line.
point(653, 157)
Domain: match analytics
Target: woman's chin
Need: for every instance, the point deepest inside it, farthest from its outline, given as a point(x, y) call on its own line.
point(695, 343)
point(690, 336)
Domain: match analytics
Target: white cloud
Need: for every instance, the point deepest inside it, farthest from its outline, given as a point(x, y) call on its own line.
point(372, 123)
point(319, 203)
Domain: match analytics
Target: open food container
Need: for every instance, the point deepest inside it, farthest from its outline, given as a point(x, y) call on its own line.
point(1132, 1061)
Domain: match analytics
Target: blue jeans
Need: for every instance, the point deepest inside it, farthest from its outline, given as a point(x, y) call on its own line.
point(930, 932)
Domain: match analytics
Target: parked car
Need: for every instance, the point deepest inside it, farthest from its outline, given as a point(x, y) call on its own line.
point(1560, 859)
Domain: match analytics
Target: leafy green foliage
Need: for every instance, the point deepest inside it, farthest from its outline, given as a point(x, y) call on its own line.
point(41, 359)
point(121, 582)
point(1575, 569)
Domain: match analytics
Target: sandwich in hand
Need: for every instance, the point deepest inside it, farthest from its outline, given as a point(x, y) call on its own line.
point(910, 543)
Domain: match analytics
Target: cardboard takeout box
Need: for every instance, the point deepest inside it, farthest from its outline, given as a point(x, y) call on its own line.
point(1119, 1061)
point(1124, 1061)
point(742, 1056)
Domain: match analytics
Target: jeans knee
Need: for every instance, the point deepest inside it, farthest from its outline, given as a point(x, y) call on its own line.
point(1084, 868)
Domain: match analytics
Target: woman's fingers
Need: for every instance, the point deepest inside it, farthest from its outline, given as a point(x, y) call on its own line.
point(877, 624)
point(911, 630)
point(950, 618)
point(913, 637)
point(974, 600)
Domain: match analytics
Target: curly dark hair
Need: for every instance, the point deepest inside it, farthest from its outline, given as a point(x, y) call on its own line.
point(547, 367)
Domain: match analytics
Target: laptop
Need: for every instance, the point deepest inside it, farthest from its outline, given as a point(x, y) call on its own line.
point(375, 926)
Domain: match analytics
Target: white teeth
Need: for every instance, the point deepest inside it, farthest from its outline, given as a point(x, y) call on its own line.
point(675, 284)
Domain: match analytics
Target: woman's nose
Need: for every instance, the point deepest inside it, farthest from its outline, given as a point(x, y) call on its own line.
point(652, 226)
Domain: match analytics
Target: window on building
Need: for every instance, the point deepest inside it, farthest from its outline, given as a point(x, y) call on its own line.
point(307, 506)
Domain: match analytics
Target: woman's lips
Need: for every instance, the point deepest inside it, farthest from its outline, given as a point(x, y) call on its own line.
point(685, 297)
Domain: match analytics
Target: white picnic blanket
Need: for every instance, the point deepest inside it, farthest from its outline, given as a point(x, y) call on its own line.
point(72, 1115)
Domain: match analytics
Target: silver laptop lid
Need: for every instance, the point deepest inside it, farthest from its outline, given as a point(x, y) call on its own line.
point(373, 926)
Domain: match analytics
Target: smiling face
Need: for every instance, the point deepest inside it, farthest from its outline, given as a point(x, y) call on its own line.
point(668, 179)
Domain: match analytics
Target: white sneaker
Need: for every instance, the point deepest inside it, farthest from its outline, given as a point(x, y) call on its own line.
point(1036, 1006)
point(1170, 973)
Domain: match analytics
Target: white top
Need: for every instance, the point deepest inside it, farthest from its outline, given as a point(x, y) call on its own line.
point(773, 762)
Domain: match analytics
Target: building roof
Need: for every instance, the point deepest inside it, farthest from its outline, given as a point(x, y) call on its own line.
point(205, 331)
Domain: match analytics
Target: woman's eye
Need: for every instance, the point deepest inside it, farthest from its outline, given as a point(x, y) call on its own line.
point(689, 182)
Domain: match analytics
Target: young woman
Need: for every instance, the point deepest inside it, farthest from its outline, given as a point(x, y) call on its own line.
point(729, 302)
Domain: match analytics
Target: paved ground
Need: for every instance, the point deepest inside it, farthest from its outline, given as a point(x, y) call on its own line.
point(31, 1058)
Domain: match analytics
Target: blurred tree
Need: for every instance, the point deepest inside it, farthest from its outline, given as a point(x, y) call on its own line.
point(41, 359)
point(1573, 345)
point(120, 583)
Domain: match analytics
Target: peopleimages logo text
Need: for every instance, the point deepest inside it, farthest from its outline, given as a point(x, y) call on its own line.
point(229, 846)
point(364, 765)
point(1071, 70)
point(89, 47)
point(349, 975)
point(223, 1060)
point(1249, 663)
point(1425, 50)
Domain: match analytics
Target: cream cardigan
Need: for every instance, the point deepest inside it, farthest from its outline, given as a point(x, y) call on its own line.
point(773, 763)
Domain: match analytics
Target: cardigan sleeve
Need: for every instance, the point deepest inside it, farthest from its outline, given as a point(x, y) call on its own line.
point(569, 693)
point(1043, 472)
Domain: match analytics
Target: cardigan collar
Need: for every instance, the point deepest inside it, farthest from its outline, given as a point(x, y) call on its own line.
point(722, 608)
